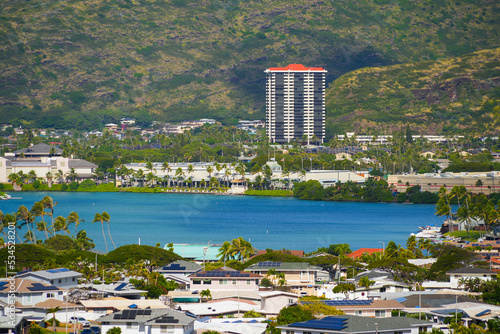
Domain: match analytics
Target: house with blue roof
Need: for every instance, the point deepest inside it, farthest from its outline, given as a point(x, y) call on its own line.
point(61, 277)
point(179, 271)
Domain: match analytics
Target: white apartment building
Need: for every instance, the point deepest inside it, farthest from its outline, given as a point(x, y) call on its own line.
point(295, 103)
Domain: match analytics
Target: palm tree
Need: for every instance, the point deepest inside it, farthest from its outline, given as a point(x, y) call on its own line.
point(180, 175)
point(38, 210)
point(54, 310)
point(49, 177)
point(205, 294)
point(48, 203)
point(24, 215)
point(73, 218)
point(61, 224)
point(98, 218)
point(225, 251)
point(166, 167)
point(210, 170)
point(105, 217)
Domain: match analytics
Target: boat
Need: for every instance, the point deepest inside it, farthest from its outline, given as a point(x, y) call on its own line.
point(4, 196)
point(429, 232)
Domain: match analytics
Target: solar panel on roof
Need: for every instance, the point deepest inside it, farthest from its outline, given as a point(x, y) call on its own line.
point(3, 283)
point(117, 316)
point(41, 287)
point(121, 286)
point(147, 312)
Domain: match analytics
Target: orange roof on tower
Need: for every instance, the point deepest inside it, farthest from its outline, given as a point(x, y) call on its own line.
point(296, 67)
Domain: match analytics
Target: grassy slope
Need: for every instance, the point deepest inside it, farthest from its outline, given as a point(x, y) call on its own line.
point(180, 59)
point(433, 96)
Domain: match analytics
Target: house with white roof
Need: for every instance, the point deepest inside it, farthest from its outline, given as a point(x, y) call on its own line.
point(457, 276)
point(61, 277)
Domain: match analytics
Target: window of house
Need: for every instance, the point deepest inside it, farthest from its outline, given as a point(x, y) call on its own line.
point(73, 279)
point(130, 325)
point(379, 313)
point(60, 281)
point(223, 281)
point(249, 282)
point(207, 281)
point(290, 301)
point(358, 312)
point(422, 329)
point(234, 281)
point(28, 299)
point(50, 295)
point(197, 281)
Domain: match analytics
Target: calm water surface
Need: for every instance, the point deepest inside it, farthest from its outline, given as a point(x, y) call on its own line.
point(267, 222)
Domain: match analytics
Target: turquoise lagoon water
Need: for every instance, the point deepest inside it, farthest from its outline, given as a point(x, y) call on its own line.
point(267, 222)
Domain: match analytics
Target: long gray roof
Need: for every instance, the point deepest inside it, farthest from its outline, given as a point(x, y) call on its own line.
point(471, 271)
point(39, 149)
point(51, 273)
point(180, 266)
point(357, 324)
point(182, 318)
point(79, 163)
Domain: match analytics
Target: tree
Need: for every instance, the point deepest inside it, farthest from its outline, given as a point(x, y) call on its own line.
point(114, 330)
point(24, 215)
point(53, 310)
point(105, 216)
point(365, 283)
point(344, 288)
point(205, 294)
point(98, 218)
point(225, 251)
point(73, 218)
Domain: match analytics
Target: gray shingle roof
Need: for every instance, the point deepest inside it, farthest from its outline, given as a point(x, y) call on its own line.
point(78, 163)
point(434, 300)
point(471, 271)
point(52, 274)
point(183, 319)
point(39, 149)
point(284, 266)
point(356, 324)
point(189, 267)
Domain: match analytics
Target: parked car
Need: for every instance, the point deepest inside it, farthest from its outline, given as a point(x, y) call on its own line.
point(86, 331)
point(95, 329)
point(79, 320)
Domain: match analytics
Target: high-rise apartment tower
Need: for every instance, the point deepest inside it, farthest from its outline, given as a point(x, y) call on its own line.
point(295, 103)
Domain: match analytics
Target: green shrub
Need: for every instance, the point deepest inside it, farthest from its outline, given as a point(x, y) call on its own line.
point(87, 184)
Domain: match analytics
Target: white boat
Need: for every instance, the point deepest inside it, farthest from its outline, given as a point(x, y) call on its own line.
point(429, 232)
point(5, 196)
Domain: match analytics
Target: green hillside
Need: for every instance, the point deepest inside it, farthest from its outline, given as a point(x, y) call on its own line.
point(81, 63)
point(451, 95)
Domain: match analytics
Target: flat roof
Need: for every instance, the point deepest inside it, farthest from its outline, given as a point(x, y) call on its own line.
point(297, 67)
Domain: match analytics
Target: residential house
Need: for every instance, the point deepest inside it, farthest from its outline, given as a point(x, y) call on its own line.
point(225, 279)
point(363, 307)
point(357, 254)
point(97, 308)
point(149, 321)
point(221, 307)
point(271, 302)
point(301, 277)
point(118, 289)
point(458, 276)
point(61, 277)
point(355, 324)
point(179, 271)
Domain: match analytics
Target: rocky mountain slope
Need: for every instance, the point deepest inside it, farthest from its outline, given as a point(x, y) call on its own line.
point(81, 63)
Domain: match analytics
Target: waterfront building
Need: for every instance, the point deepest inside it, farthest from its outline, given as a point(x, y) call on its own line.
point(295, 103)
point(432, 182)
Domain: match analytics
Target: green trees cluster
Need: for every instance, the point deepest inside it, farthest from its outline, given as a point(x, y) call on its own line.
point(470, 208)
point(238, 249)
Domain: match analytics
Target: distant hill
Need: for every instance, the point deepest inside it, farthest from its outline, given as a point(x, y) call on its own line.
point(443, 96)
point(82, 63)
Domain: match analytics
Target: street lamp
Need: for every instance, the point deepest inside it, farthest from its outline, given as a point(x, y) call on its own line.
point(383, 246)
